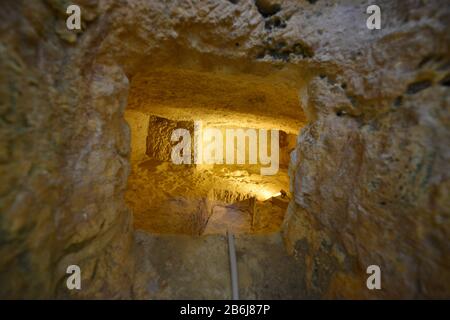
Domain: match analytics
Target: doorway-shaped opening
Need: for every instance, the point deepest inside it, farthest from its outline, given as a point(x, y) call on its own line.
point(231, 171)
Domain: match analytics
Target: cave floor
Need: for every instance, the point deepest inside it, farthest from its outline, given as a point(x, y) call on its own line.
point(189, 267)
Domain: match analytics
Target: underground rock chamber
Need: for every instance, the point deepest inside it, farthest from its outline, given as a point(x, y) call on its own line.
point(367, 181)
point(183, 212)
point(207, 196)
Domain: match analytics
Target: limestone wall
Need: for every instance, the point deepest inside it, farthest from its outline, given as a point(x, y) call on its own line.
point(370, 171)
point(139, 123)
point(159, 142)
point(65, 147)
point(369, 174)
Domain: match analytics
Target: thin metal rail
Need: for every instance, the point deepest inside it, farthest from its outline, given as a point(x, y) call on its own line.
point(233, 267)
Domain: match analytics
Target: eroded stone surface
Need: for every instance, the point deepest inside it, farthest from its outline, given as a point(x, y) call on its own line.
point(179, 199)
point(369, 175)
point(185, 267)
point(370, 172)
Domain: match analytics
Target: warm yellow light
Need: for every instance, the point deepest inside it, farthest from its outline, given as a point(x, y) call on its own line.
point(265, 194)
point(276, 194)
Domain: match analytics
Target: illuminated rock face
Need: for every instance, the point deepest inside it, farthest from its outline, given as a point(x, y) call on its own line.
point(159, 137)
point(369, 175)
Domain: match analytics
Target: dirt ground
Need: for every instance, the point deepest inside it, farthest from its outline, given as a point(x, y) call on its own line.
point(187, 267)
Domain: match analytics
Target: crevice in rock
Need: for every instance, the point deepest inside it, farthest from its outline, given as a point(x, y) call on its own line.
point(418, 86)
point(267, 8)
point(281, 50)
point(445, 81)
point(275, 22)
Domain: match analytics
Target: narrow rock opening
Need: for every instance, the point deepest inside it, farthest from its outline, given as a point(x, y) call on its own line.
point(209, 192)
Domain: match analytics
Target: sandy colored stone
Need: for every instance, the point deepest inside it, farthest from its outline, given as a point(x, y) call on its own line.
point(369, 175)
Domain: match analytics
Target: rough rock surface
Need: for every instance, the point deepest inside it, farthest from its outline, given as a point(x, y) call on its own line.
point(369, 175)
point(182, 200)
point(159, 137)
point(218, 97)
point(139, 123)
point(151, 137)
point(184, 267)
point(64, 166)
